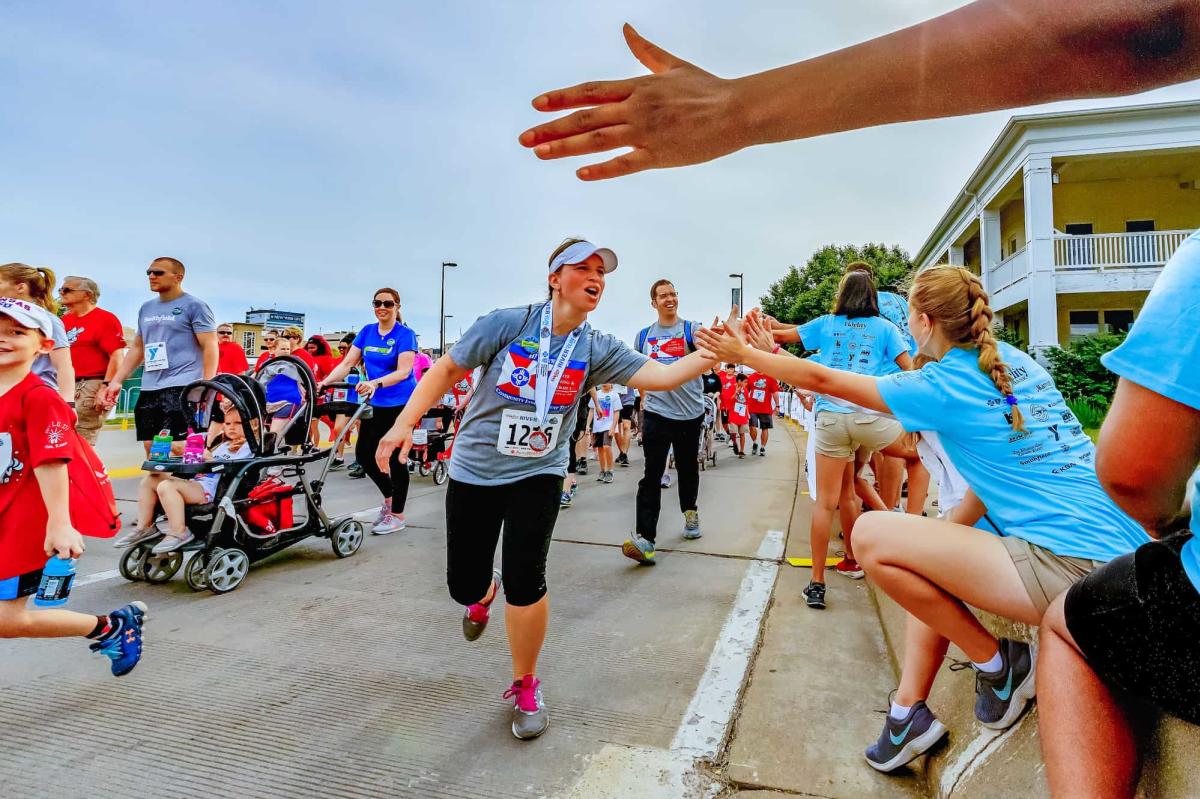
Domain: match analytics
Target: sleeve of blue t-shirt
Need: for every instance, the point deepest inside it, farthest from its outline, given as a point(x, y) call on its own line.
point(406, 339)
point(917, 399)
point(812, 333)
point(1162, 350)
point(360, 340)
point(489, 334)
point(203, 319)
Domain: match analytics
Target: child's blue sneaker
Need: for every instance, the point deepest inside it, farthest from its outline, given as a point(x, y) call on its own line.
point(123, 646)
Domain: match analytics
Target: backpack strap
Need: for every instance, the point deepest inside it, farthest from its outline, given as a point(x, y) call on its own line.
point(641, 339)
point(687, 336)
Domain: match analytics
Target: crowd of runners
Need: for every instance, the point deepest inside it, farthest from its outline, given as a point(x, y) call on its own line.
point(1093, 545)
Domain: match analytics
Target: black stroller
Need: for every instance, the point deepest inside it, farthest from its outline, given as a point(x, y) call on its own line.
point(261, 504)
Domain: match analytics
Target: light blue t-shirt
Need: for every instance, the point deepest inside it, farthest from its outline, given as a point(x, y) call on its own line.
point(894, 308)
point(168, 330)
point(867, 345)
point(1039, 485)
point(505, 343)
point(380, 354)
point(1162, 353)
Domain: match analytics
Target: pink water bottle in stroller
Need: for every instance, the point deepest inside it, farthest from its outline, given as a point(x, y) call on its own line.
point(193, 450)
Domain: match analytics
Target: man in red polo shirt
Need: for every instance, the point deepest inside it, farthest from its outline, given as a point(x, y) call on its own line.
point(97, 346)
point(231, 358)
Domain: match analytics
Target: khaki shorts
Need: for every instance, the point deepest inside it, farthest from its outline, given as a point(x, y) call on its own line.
point(838, 435)
point(1044, 574)
point(88, 419)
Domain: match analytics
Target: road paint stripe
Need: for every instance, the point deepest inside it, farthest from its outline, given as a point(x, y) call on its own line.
point(705, 724)
point(974, 755)
point(124, 473)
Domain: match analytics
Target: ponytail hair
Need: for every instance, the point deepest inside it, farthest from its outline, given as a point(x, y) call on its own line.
point(954, 297)
point(38, 281)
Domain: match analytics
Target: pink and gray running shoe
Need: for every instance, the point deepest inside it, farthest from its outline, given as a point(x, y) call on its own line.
point(475, 620)
point(529, 715)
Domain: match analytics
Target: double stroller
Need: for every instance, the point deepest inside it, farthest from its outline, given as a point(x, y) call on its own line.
point(262, 504)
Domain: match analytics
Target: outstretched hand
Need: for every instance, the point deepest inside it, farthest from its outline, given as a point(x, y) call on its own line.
point(723, 340)
point(678, 115)
point(756, 333)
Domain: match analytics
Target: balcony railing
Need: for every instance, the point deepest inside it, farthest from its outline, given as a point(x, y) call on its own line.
point(1008, 271)
point(1101, 251)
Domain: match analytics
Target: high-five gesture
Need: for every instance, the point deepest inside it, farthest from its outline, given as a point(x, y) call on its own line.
point(676, 116)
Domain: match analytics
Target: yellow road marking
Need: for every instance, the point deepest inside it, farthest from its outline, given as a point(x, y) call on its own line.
point(808, 561)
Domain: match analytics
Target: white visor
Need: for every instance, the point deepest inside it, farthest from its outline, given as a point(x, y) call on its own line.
point(579, 252)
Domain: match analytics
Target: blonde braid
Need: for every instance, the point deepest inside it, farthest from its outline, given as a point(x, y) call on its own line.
point(989, 353)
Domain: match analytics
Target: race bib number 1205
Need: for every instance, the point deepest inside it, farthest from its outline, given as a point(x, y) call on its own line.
point(520, 437)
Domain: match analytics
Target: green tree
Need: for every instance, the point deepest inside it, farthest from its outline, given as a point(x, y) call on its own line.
point(1078, 373)
point(807, 292)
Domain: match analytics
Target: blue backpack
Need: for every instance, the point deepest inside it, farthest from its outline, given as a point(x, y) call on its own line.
point(644, 333)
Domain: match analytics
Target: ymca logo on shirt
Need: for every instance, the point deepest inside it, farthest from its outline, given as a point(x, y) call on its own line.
point(518, 378)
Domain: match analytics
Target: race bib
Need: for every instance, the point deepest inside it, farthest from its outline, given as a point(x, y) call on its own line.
point(420, 437)
point(156, 357)
point(739, 408)
point(758, 395)
point(520, 437)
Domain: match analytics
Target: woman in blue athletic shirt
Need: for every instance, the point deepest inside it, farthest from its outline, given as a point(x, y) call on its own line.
point(1030, 467)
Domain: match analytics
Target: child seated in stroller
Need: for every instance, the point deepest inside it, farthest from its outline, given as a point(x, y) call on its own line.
point(284, 395)
point(175, 493)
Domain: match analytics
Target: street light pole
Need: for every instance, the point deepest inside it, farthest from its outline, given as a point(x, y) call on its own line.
point(442, 312)
point(444, 318)
point(741, 303)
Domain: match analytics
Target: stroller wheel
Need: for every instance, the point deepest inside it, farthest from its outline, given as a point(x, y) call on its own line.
point(132, 562)
point(703, 464)
point(227, 568)
point(439, 473)
point(424, 469)
point(196, 573)
point(158, 569)
point(347, 537)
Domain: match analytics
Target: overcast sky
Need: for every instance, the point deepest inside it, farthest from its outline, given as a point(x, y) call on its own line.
point(302, 154)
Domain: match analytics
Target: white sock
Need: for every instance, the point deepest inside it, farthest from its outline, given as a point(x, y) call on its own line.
point(992, 666)
point(899, 712)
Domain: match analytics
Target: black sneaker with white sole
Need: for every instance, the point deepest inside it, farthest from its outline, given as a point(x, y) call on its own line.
point(904, 740)
point(1001, 698)
point(814, 595)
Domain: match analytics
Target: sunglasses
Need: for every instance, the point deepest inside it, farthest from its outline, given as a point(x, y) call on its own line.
point(389, 304)
point(271, 340)
point(224, 332)
point(156, 272)
point(65, 291)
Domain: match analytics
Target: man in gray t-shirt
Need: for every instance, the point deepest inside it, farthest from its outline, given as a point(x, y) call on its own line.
point(176, 344)
point(505, 343)
point(671, 420)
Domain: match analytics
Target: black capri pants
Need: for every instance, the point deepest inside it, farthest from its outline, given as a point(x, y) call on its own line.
point(527, 511)
point(393, 485)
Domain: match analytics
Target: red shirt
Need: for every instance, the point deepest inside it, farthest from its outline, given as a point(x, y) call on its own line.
point(31, 434)
point(760, 389)
point(301, 354)
point(231, 359)
point(461, 389)
point(739, 413)
point(94, 337)
point(728, 384)
point(324, 365)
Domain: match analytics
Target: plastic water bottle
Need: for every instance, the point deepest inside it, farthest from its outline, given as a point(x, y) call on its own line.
point(351, 394)
point(193, 450)
point(55, 587)
point(160, 446)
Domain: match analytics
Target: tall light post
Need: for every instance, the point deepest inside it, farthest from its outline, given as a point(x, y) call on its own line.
point(445, 316)
point(442, 313)
point(741, 297)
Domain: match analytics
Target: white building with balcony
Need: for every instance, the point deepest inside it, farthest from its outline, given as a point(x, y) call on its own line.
point(1070, 217)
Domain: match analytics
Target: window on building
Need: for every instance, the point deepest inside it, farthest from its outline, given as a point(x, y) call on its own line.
point(248, 343)
point(1118, 321)
point(1139, 226)
point(1079, 229)
point(1084, 323)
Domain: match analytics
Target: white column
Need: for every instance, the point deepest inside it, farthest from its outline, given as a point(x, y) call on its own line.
point(1039, 231)
point(989, 245)
point(956, 256)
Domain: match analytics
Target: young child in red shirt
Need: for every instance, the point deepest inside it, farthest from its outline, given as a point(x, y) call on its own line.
point(35, 520)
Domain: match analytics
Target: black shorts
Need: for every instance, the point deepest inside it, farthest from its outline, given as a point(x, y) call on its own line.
point(762, 421)
point(1137, 621)
point(20, 586)
point(724, 417)
point(600, 440)
point(158, 410)
point(627, 414)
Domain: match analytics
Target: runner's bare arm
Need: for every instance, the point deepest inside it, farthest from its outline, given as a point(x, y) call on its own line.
point(988, 55)
point(353, 356)
point(61, 360)
point(654, 376)
point(131, 361)
point(969, 511)
point(404, 367)
point(1145, 467)
point(432, 386)
point(212, 355)
point(859, 389)
point(61, 538)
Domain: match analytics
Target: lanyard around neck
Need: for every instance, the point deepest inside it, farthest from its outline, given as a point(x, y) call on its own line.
point(548, 377)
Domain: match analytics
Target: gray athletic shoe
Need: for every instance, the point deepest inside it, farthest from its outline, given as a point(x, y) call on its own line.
point(608, 477)
point(529, 715)
point(391, 523)
point(475, 618)
point(1001, 698)
point(904, 740)
point(136, 536)
point(639, 549)
point(691, 524)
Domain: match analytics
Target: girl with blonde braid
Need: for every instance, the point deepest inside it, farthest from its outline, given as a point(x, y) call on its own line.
point(1030, 467)
point(36, 284)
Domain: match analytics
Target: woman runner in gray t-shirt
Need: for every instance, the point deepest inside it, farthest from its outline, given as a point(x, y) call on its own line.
point(510, 451)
